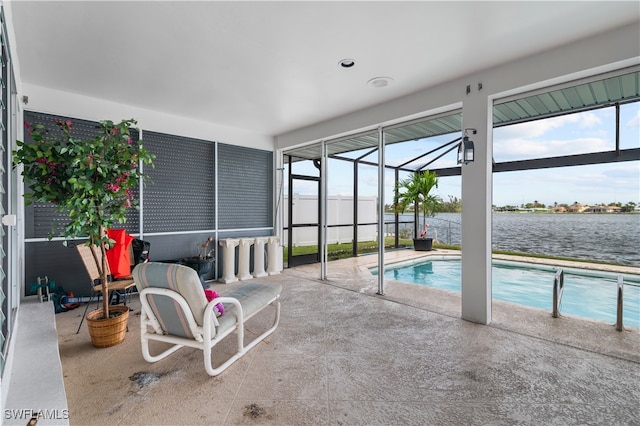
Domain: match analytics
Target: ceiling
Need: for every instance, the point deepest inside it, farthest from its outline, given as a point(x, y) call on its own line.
point(273, 67)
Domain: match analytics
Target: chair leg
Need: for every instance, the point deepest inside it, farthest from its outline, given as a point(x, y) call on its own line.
point(86, 308)
point(125, 297)
point(125, 304)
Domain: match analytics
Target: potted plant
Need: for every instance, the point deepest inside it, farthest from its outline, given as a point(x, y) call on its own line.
point(90, 180)
point(202, 262)
point(416, 191)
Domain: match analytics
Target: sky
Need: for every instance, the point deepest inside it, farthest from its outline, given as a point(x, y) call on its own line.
point(590, 131)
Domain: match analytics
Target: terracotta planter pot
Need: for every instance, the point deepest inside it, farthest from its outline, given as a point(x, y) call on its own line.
point(110, 331)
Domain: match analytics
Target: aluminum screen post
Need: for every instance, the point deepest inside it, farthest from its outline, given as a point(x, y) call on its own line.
point(323, 200)
point(381, 171)
point(140, 193)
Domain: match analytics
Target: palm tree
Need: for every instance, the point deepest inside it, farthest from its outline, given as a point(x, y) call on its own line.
point(416, 190)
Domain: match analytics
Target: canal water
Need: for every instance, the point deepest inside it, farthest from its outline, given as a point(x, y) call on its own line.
point(604, 237)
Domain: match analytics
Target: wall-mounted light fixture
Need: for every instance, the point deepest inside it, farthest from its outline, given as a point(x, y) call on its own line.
point(465, 149)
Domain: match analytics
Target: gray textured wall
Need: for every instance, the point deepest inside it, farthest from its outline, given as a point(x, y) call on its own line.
point(178, 204)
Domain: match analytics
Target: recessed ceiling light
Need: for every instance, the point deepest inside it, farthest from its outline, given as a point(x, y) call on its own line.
point(347, 63)
point(380, 81)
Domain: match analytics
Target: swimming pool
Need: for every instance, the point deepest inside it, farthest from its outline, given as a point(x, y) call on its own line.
point(588, 294)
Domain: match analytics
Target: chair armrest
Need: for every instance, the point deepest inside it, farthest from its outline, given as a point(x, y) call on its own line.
point(209, 316)
point(125, 284)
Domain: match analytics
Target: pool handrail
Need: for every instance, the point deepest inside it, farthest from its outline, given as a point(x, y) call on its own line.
point(619, 325)
point(558, 289)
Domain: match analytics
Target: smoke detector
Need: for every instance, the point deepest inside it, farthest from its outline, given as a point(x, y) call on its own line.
point(380, 82)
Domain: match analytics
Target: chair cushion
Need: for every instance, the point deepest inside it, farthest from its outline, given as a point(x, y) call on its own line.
point(178, 278)
point(184, 280)
point(252, 297)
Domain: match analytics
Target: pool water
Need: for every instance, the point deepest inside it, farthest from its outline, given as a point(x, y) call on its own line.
point(588, 294)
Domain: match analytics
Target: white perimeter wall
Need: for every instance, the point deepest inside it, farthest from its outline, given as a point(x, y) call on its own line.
point(339, 212)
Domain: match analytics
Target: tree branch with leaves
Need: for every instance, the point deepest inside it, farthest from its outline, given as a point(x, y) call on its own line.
point(90, 180)
point(416, 191)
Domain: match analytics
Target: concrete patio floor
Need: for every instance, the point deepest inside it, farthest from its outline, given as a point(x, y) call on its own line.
point(343, 355)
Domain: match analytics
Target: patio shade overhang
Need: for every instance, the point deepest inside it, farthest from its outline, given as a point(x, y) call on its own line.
point(598, 92)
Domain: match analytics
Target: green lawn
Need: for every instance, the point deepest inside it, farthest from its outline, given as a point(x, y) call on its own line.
point(340, 251)
point(344, 250)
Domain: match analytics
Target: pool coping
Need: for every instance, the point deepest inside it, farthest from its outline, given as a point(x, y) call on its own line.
point(446, 253)
point(589, 335)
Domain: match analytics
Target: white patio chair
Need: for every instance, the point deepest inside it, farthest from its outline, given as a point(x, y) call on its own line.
point(175, 310)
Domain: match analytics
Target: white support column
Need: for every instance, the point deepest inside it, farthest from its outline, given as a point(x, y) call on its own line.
point(272, 255)
point(258, 257)
point(229, 259)
point(476, 209)
point(244, 256)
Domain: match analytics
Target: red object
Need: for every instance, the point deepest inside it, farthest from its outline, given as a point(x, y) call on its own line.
point(118, 256)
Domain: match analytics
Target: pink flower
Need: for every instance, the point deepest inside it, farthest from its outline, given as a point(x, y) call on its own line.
point(126, 203)
point(129, 141)
point(113, 187)
point(219, 307)
point(42, 160)
point(67, 125)
point(123, 177)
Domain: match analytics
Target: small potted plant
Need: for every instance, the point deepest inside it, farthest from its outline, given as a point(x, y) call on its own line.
point(416, 191)
point(202, 262)
point(89, 180)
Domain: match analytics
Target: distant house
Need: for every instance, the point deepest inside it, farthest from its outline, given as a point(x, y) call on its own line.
point(577, 208)
point(603, 209)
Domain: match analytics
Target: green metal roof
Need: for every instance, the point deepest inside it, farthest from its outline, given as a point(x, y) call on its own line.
point(621, 88)
point(618, 89)
point(403, 132)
